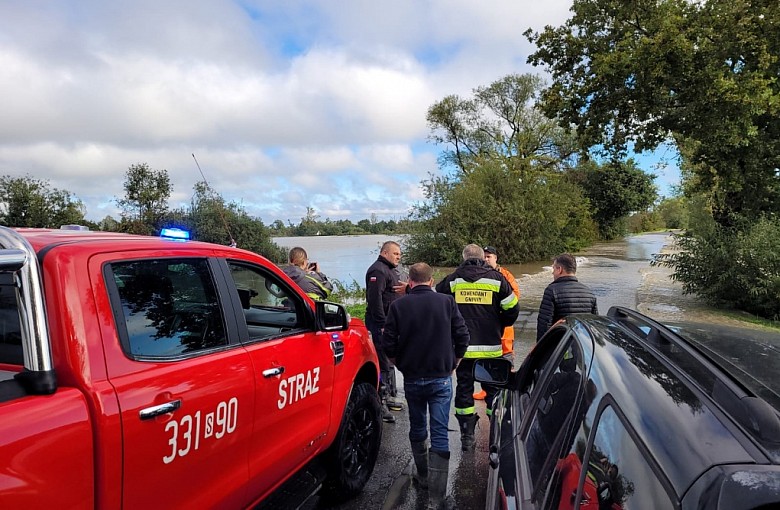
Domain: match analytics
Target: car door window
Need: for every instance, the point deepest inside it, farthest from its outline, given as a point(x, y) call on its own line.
point(270, 308)
point(553, 406)
point(169, 307)
point(619, 475)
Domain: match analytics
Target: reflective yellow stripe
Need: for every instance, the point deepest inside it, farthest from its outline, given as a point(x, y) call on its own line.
point(489, 412)
point(509, 302)
point(465, 410)
point(481, 284)
point(483, 351)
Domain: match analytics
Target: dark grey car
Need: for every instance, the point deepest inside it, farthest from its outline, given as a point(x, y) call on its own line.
point(618, 411)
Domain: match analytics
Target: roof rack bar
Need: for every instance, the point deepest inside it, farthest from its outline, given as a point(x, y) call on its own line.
point(19, 257)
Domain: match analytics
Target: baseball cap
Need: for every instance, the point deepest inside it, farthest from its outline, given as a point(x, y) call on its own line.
point(490, 249)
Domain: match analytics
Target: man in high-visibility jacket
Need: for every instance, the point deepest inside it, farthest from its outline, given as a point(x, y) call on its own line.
point(508, 338)
point(488, 305)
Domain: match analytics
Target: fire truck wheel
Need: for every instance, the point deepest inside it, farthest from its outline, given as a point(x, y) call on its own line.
point(352, 457)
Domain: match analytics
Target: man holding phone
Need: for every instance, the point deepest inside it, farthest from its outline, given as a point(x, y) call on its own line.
point(307, 275)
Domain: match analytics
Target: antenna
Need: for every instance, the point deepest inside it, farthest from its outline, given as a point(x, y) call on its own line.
point(221, 214)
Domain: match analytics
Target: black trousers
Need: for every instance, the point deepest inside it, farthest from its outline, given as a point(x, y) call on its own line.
point(387, 382)
point(464, 390)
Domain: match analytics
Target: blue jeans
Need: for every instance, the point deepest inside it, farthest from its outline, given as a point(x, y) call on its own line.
point(432, 394)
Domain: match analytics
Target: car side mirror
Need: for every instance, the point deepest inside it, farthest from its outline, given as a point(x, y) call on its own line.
point(495, 371)
point(331, 316)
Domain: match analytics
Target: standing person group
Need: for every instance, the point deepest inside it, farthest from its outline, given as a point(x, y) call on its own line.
point(383, 286)
point(429, 335)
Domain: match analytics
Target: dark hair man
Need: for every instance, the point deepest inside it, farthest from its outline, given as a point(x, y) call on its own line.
point(383, 286)
point(564, 296)
point(425, 337)
point(307, 275)
point(488, 305)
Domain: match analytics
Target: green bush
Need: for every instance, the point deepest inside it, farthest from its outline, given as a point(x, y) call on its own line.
point(732, 267)
point(526, 214)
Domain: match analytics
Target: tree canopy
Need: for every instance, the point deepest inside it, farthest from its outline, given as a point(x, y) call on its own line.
point(499, 123)
point(29, 202)
point(704, 74)
point(145, 202)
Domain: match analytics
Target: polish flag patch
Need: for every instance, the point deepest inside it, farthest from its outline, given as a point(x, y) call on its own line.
point(372, 279)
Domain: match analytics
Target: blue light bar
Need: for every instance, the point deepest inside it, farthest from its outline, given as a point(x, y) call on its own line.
point(175, 234)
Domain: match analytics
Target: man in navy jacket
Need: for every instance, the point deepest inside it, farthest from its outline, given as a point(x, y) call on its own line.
point(425, 336)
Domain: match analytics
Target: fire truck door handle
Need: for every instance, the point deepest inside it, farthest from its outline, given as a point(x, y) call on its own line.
point(151, 412)
point(273, 371)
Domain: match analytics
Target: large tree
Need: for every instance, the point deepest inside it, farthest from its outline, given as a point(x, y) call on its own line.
point(705, 74)
point(499, 122)
point(29, 202)
point(146, 198)
point(526, 219)
point(212, 220)
point(615, 190)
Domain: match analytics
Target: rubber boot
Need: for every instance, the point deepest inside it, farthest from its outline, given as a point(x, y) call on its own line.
point(467, 422)
point(438, 472)
point(387, 416)
point(420, 454)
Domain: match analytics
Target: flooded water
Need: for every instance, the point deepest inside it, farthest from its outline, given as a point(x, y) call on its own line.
point(343, 258)
point(346, 258)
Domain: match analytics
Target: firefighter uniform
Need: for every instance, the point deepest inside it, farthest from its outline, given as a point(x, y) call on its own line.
point(488, 305)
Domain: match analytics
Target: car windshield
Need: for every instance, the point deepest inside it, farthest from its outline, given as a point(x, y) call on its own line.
point(749, 355)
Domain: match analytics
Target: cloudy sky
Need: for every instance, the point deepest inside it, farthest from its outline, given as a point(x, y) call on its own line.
point(285, 104)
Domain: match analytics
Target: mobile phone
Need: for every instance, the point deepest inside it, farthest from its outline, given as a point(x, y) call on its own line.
point(312, 266)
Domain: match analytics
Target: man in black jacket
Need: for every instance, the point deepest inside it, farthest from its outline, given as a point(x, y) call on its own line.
point(383, 286)
point(425, 336)
point(564, 296)
point(488, 305)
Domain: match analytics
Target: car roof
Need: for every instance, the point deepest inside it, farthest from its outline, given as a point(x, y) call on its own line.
point(676, 416)
point(43, 239)
point(748, 355)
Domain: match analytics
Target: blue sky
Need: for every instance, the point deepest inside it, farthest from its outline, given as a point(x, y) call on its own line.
point(286, 105)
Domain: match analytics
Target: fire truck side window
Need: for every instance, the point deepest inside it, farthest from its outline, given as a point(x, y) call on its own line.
point(170, 307)
point(270, 308)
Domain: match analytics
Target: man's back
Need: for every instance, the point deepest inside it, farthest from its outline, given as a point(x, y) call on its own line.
point(564, 296)
point(425, 332)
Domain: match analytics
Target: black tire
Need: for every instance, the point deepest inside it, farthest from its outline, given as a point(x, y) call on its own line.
point(351, 458)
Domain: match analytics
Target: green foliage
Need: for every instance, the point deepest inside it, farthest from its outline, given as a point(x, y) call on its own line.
point(673, 212)
point(645, 222)
point(525, 219)
point(510, 187)
point(705, 74)
point(29, 202)
point(211, 220)
point(499, 123)
point(146, 199)
point(615, 190)
point(733, 266)
point(351, 295)
point(311, 225)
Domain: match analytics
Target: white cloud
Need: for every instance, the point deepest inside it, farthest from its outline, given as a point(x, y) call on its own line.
point(285, 104)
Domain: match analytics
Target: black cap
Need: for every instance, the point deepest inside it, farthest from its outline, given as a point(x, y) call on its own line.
point(490, 249)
